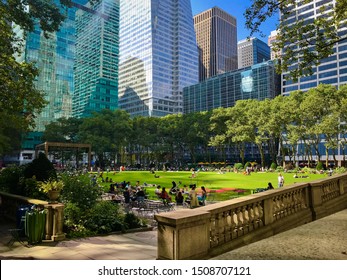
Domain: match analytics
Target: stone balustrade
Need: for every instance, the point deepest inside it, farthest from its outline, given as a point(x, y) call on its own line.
point(217, 228)
point(10, 203)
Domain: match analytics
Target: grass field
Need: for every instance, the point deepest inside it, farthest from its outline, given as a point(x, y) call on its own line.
point(223, 184)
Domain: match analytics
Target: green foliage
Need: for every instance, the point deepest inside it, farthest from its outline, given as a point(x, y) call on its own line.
point(32, 189)
point(340, 170)
point(104, 217)
point(247, 164)
point(279, 169)
point(51, 185)
point(319, 165)
point(11, 180)
point(273, 166)
point(40, 168)
point(79, 189)
point(238, 166)
point(132, 221)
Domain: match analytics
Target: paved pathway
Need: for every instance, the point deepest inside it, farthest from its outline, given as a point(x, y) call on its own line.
point(324, 239)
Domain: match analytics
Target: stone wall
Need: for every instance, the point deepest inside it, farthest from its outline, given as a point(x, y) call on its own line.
point(208, 231)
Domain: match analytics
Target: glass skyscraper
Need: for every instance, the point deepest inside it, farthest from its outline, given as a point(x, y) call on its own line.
point(259, 81)
point(78, 65)
point(96, 57)
point(332, 70)
point(158, 56)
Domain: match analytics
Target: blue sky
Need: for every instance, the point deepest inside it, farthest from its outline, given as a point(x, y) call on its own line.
point(236, 8)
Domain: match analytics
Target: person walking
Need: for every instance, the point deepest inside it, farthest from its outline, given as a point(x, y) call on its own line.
point(280, 180)
point(193, 198)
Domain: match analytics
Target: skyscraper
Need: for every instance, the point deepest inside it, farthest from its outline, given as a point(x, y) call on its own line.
point(77, 65)
point(158, 56)
point(270, 40)
point(96, 62)
point(216, 36)
point(252, 51)
point(332, 70)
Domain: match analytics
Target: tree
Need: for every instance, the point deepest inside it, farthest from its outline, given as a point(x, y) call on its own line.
point(108, 133)
point(305, 41)
point(62, 130)
point(20, 101)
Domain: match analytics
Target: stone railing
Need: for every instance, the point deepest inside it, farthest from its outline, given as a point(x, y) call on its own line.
point(10, 203)
point(217, 228)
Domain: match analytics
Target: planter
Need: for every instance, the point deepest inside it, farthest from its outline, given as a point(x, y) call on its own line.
point(53, 195)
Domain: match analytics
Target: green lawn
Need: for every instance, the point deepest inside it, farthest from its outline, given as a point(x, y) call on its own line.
point(225, 184)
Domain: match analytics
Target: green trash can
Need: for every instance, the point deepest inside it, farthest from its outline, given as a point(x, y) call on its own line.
point(35, 225)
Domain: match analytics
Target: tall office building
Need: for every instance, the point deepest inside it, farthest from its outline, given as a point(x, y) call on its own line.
point(252, 51)
point(332, 70)
point(216, 36)
point(77, 65)
point(158, 56)
point(270, 40)
point(96, 62)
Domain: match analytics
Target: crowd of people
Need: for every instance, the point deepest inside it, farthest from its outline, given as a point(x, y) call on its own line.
point(177, 194)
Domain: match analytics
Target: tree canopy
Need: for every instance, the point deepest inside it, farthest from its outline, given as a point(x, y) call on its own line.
point(304, 41)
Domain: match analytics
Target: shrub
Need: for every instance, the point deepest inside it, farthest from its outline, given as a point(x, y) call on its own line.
point(32, 189)
point(79, 189)
point(104, 217)
point(279, 169)
point(247, 164)
point(273, 166)
point(340, 170)
point(11, 180)
point(132, 221)
point(238, 166)
point(41, 168)
point(319, 165)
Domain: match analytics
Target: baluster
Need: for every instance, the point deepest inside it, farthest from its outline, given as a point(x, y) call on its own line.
point(285, 205)
point(213, 232)
point(245, 219)
point(234, 224)
point(239, 221)
point(261, 214)
point(227, 225)
point(256, 215)
point(220, 228)
point(281, 207)
point(251, 217)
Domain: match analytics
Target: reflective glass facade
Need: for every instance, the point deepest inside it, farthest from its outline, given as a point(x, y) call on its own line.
point(158, 56)
point(96, 62)
point(54, 57)
point(332, 70)
point(77, 64)
point(259, 81)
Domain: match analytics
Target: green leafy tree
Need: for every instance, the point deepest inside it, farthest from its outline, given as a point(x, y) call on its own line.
point(63, 130)
point(107, 131)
